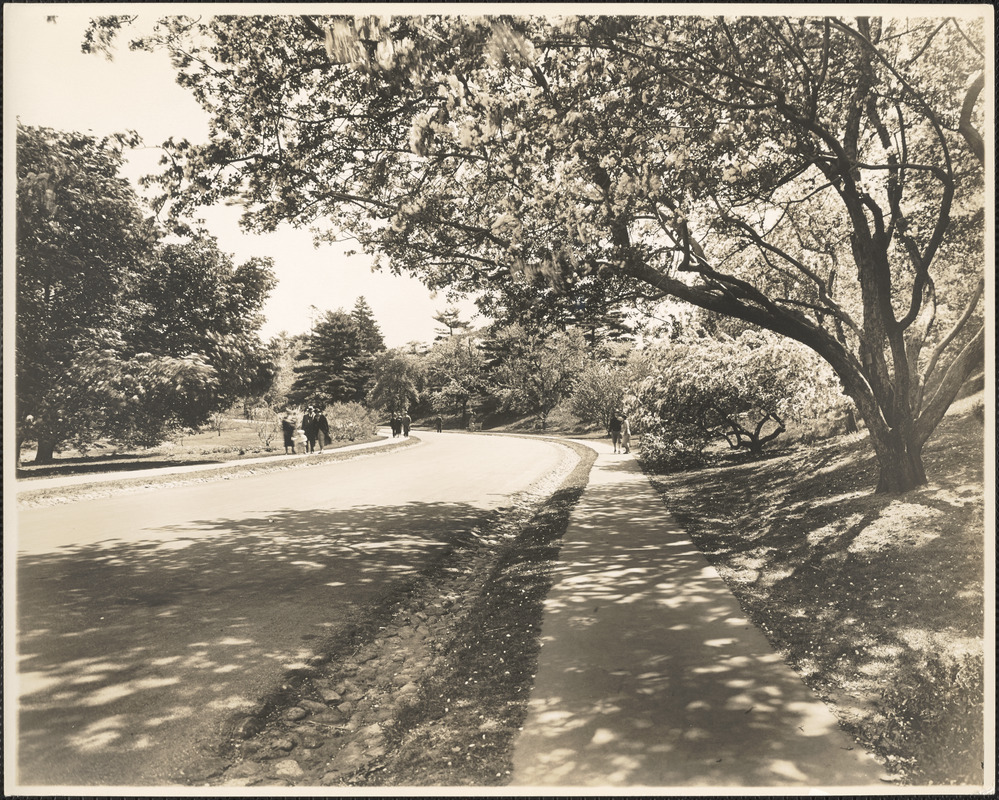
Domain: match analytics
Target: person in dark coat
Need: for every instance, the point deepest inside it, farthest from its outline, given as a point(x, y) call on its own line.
point(323, 437)
point(311, 428)
point(439, 423)
point(406, 422)
point(396, 424)
point(615, 432)
point(288, 430)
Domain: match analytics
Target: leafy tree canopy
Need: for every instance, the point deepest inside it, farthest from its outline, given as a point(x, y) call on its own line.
point(534, 371)
point(118, 336)
point(398, 380)
point(455, 373)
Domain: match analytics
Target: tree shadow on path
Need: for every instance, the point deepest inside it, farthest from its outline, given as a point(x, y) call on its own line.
point(651, 674)
point(129, 649)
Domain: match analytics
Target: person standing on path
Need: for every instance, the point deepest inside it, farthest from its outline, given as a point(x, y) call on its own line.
point(311, 428)
point(625, 433)
point(439, 423)
point(406, 422)
point(395, 423)
point(288, 431)
point(615, 432)
point(322, 430)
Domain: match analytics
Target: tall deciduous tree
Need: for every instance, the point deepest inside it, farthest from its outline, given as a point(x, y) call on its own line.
point(398, 380)
point(605, 382)
point(194, 299)
point(118, 337)
point(819, 177)
point(533, 371)
point(455, 373)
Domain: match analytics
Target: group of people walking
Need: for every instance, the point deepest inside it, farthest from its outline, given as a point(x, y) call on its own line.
point(314, 431)
point(400, 424)
point(620, 432)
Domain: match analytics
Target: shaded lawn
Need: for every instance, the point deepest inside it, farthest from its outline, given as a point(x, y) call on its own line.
point(877, 601)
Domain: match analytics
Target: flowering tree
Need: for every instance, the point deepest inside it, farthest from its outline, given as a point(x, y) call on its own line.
point(743, 390)
point(818, 177)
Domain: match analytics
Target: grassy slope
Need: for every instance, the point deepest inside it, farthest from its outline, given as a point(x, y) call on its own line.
point(877, 601)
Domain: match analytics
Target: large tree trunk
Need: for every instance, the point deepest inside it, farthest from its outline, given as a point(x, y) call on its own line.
point(900, 460)
point(46, 449)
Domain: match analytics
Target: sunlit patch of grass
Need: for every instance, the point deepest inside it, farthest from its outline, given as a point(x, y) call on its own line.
point(833, 530)
point(876, 600)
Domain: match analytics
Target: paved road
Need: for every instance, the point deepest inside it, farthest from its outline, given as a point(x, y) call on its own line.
point(146, 619)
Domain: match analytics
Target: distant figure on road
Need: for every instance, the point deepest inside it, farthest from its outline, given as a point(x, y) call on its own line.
point(615, 432)
point(288, 430)
point(311, 427)
point(323, 437)
point(439, 423)
point(625, 434)
point(396, 424)
point(406, 422)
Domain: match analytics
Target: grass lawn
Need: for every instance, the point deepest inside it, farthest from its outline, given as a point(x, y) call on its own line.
point(877, 601)
point(238, 440)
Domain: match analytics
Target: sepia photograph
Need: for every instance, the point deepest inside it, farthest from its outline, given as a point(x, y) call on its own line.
point(498, 399)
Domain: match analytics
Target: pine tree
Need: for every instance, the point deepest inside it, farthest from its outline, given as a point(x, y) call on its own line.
point(337, 364)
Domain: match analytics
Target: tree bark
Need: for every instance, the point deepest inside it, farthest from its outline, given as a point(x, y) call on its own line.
point(900, 461)
point(46, 450)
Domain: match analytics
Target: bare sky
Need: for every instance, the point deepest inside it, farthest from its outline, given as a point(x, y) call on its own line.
point(49, 82)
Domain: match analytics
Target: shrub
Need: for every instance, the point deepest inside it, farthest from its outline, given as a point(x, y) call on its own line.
point(665, 451)
point(350, 421)
point(935, 707)
point(266, 424)
point(744, 391)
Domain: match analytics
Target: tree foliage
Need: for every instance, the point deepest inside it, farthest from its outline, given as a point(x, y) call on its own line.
point(534, 371)
point(194, 299)
point(819, 177)
point(398, 381)
point(119, 338)
point(337, 363)
point(604, 384)
point(744, 390)
point(455, 369)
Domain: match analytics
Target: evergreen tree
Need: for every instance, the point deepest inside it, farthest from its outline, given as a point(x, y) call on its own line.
point(451, 321)
point(337, 363)
point(369, 335)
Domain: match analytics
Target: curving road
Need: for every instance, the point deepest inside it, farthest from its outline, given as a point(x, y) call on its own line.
point(145, 619)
